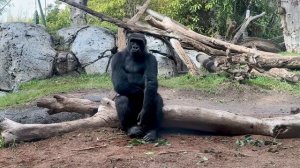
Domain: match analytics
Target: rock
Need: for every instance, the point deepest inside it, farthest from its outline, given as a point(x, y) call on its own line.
point(65, 63)
point(156, 45)
point(68, 35)
point(166, 66)
point(101, 66)
point(25, 54)
point(36, 115)
point(92, 46)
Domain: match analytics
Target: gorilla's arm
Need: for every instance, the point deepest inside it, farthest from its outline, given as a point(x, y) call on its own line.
point(150, 92)
point(119, 76)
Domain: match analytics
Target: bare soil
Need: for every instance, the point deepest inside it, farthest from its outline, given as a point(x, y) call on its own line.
point(108, 147)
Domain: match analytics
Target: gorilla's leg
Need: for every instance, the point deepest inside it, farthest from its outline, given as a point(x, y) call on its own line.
point(122, 106)
point(127, 117)
point(155, 121)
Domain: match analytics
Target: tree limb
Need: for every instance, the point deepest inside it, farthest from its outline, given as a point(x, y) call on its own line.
point(141, 11)
point(189, 117)
point(184, 57)
point(244, 26)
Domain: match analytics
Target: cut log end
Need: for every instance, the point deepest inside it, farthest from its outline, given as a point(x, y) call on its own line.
point(8, 133)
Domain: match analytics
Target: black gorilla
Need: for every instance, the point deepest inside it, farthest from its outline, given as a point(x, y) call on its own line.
point(134, 77)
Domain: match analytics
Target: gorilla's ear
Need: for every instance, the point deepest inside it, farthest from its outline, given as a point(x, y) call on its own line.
point(137, 36)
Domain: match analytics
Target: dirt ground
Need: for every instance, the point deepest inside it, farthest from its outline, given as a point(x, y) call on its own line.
point(108, 147)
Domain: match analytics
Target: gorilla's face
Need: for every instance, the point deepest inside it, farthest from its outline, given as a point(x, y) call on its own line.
point(137, 47)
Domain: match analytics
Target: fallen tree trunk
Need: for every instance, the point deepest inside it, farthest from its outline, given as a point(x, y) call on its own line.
point(262, 61)
point(279, 73)
point(261, 44)
point(202, 119)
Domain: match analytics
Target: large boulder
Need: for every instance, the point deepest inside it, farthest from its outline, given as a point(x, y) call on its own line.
point(25, 54)
point(92, 47)
point(162, 52)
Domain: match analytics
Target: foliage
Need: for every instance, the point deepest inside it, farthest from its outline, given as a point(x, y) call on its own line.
point(2, 143)
point(162, 142)
point(136, 142)
point(57, 18)
point(290, 53)
point(113, 8)
point(212, 17)
point(210, 83)
point(249, 140)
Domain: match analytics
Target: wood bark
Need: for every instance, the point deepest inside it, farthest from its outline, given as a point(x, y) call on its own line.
point(290, 20)
point(193, 70)
point(262, 61)
point(189, 117)
point(261, 44)
point(121, 39)
point(61, 104)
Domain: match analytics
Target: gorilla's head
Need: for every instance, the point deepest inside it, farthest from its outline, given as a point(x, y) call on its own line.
point(136, 43)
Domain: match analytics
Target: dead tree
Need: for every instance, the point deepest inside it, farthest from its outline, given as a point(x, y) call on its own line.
point(202, 119)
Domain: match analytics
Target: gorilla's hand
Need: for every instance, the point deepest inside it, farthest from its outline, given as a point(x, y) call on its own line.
point(142, 118)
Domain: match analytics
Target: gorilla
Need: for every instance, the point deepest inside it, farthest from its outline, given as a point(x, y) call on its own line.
point(134, 78)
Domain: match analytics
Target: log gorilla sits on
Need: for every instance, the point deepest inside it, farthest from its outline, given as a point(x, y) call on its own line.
point(134, 77)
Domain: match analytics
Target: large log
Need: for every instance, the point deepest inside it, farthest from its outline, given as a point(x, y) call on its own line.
point(261, 61)
point(202, 119)
point(193, 70)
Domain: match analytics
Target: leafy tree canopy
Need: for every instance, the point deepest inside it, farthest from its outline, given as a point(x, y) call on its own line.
point(210, 17)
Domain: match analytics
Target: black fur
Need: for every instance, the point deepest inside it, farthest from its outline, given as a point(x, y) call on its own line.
point(134, 77)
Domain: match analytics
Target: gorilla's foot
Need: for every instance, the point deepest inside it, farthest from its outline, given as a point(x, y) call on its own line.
point(150, 136)
point(135, 132)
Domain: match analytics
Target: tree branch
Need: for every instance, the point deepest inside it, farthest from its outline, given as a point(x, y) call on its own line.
point(244, 26)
